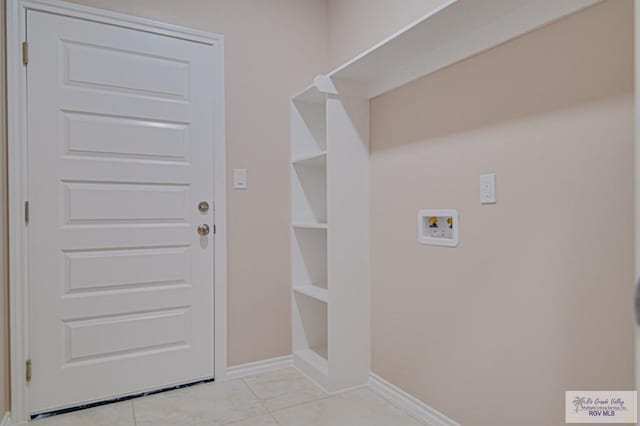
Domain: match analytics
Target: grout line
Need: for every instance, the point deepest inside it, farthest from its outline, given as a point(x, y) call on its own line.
point(270, 412)
point(239, 420)
point(322, 398)
point(274, 419)
point(253, 392)
point(133, 410)
point(251, 389)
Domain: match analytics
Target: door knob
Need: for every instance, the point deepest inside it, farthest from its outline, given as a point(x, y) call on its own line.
point(203, 229)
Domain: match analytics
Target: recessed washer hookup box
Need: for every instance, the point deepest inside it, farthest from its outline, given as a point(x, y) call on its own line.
point(438, 227)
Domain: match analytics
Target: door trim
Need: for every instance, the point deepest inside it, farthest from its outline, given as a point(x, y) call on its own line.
point(17, 178)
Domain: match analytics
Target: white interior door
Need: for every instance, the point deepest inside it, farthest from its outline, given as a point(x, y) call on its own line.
point(120, 153)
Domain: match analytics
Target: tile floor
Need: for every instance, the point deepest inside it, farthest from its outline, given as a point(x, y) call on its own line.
point(279, 398)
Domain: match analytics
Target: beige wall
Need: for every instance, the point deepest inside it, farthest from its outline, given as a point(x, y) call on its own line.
point(4, 288)
point(357, 25)
point(272, 49)
point(537, 298)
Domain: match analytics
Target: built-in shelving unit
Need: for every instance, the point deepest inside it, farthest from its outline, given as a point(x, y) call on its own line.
point(330, 228)
point(330, 172)
point(310, 230)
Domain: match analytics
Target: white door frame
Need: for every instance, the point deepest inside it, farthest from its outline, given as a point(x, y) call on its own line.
point(17, 172)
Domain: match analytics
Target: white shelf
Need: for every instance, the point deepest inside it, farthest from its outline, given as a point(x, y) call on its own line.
point(310, 225)
point(314, 160)
point(318, 293)
point(451, 33)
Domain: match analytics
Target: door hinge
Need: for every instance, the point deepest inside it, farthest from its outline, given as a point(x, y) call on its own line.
point(25, 52)
point(214, 228)
point(28, 370)
point(26, 212)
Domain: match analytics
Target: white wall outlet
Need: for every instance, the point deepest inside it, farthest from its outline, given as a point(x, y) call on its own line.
point(488, 188)
point(240, 179)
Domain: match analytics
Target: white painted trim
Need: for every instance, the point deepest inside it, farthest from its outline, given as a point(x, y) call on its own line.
point(17, 172)
point(259, 367)
point(220, 212)
point(409, 403)
point(16, 160)
point(119, 19)
point(6, 420)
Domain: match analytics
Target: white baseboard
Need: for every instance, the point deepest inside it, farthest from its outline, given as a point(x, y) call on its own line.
point(409, 403)
point(6, 420)
point(259, 367)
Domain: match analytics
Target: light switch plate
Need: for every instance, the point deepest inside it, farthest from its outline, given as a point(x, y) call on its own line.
point(239, 178)
point(488, 188)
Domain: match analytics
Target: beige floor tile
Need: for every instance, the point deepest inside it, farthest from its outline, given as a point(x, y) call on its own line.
point(356, 408)
point(284, 388)
point(119, 414)
point(266, 420)
point(212, 404)
point(294, 399)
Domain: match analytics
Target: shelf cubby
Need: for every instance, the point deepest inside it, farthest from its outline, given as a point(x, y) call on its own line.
point(311, 342)
point(309, 257)
point(309, 193)
point(308, 129)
